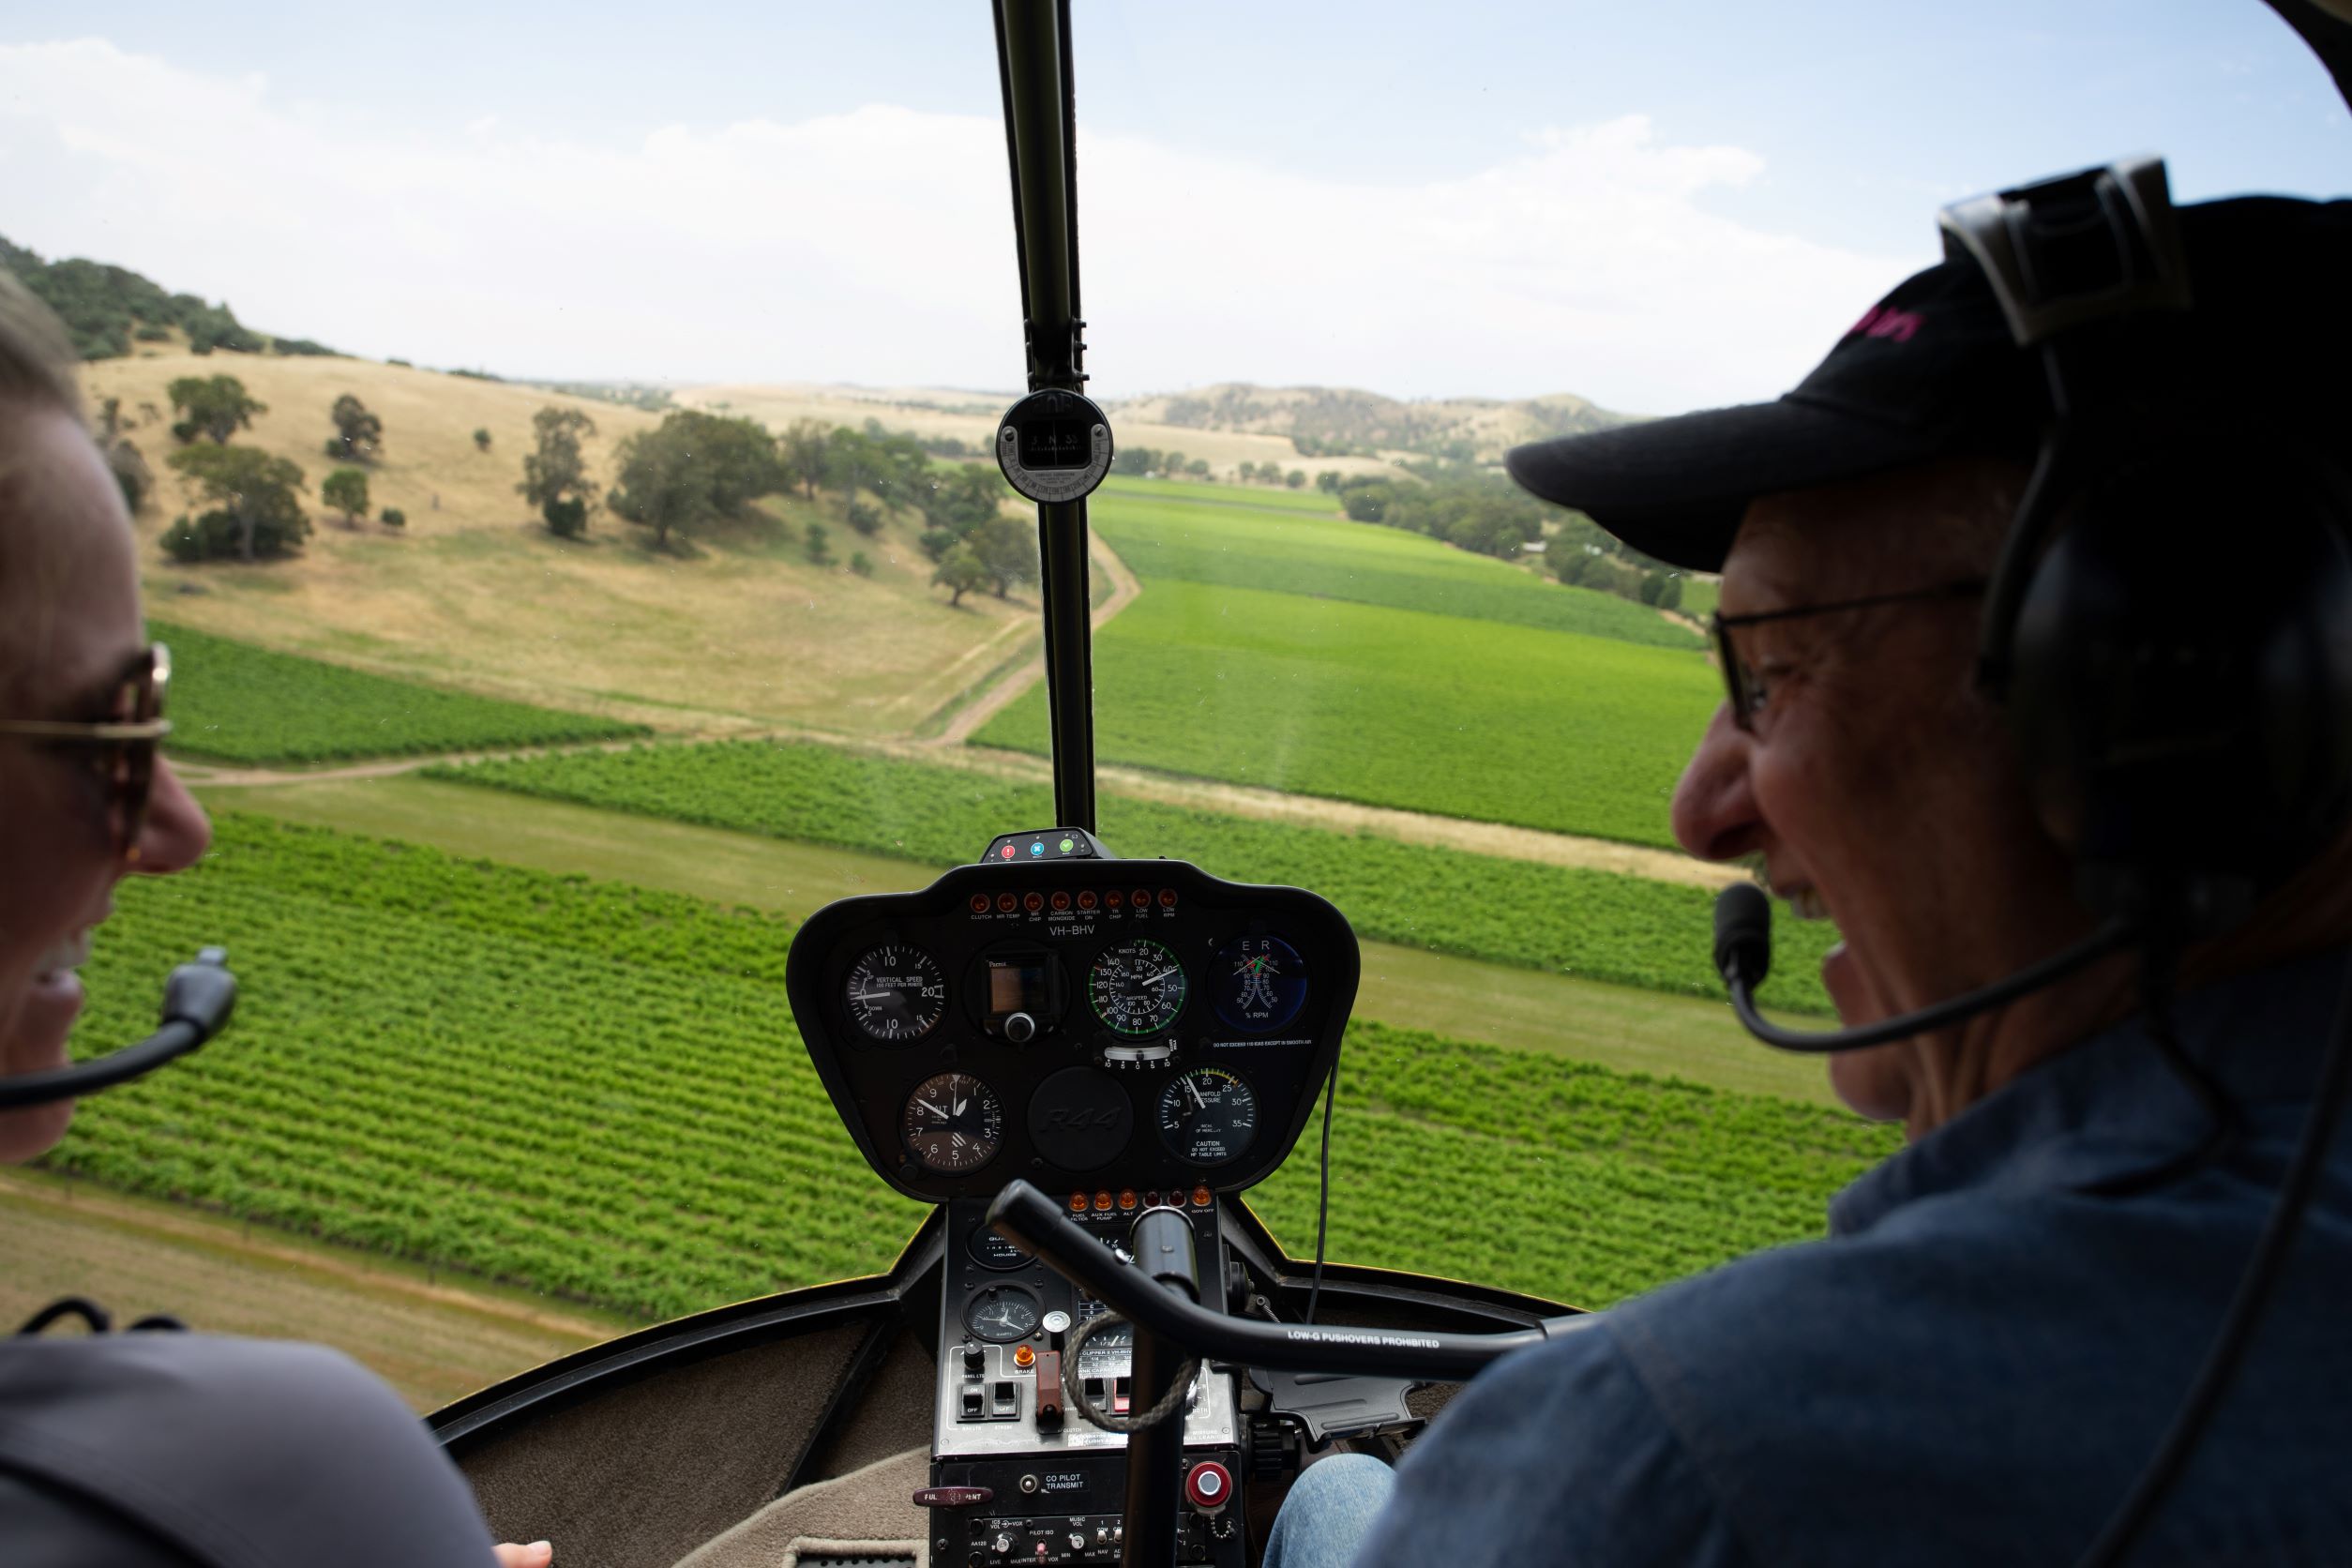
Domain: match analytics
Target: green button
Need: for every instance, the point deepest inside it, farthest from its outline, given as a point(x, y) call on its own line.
point(1067, 846)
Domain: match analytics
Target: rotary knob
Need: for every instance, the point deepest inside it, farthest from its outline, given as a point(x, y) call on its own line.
point(1019, 1028)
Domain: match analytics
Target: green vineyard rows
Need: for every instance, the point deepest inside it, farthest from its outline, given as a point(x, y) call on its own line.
point(241, 704)
point(1596, 924)
point(597, 1091)
point(1390, 708)
point(1229, 546)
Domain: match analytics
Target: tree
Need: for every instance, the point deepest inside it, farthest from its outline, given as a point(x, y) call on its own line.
point(394, 518)
point(1328, 481)
point(957, 501)
point(866, 520)
point(358, 434)
point(1007, 548)
point(802, 446)
point(555, 476)
point(216, 406)
point(1296, 479)
point(481, 441)
point(346, 490)
point(257, 515)
point(860, 564)
point(692, 470)
point(1248, 473)
point(819, 547)
point(960, 572)
point(1198, 468)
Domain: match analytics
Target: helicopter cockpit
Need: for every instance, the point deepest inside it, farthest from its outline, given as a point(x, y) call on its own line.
point(1296, 793)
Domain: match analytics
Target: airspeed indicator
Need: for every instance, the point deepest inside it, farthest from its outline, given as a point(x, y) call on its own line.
point(1208, 1116)
point(1136, 986)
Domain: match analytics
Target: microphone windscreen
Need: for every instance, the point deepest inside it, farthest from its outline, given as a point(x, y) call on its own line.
point(1744, 933)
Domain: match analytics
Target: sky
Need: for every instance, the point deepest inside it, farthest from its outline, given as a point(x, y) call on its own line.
point(1659, 205)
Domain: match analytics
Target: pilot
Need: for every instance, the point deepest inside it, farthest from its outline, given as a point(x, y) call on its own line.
point(1981, 1357)
point(146, 1448)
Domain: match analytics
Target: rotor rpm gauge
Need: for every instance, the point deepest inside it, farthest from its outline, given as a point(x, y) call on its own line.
point(895, 992)
point(1208, 1116)
point(952, 1122)
point(1260, 984)
point(1136, 986)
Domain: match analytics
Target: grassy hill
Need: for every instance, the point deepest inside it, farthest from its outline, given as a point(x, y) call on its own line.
point(1343, 420)
point(474, 593)
point(972, 417)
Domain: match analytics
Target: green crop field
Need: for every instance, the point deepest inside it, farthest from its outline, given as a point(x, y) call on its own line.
point(595, 1090)
point(1265, 497)
point(241, 704)
point(1595, 924)
point(1237, 547)
point(1392, 707)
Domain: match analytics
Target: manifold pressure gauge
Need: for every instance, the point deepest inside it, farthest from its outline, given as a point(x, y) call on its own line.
point(1208, 1116)
point(1054, 445)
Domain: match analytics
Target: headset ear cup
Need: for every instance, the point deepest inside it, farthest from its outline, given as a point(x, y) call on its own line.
point(2181, 694)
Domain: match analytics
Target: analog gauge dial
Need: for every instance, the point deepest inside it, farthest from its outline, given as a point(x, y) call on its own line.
point(1136, 986)
point(1260, 984)
point(954, 1123)
point(896, 992)
point(1001, 1314)
point(1208, 1116)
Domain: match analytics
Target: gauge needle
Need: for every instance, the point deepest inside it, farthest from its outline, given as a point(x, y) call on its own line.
point(960, 1106)
point(933, 1110)
point(1161, 976)
point(1194, 1089)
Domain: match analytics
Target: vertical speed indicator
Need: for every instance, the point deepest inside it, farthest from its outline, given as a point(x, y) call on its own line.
point(895, 992)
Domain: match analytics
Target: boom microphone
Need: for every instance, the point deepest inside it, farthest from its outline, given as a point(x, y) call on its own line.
point(197, 1001)
point(1744, 956)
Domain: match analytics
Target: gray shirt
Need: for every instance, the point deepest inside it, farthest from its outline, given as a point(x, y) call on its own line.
point(154, 1449)
point(1972, 1368)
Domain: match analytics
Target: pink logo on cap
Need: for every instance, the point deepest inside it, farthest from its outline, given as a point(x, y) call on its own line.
point(1884, 321)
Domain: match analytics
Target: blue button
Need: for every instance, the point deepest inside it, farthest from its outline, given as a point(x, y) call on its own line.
point(1036, 849)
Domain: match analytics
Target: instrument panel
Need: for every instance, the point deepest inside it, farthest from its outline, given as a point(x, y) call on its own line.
point(1098, 1026)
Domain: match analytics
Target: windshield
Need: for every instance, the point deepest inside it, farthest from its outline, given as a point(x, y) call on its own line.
point(561, 466)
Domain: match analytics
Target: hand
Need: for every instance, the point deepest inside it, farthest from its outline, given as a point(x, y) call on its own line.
point(538, 1554)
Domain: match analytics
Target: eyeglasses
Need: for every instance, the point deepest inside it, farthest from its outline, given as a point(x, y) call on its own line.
point(1744, 689)
point(122, 746)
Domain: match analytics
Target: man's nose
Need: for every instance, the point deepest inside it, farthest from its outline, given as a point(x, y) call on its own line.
point(1715, 816)
point(176, 829)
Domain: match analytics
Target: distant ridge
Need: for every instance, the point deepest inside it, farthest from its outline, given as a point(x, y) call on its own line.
point(108, 309)
point(1333, 421)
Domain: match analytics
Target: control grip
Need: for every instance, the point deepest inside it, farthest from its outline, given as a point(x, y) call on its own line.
point(1036, 1224)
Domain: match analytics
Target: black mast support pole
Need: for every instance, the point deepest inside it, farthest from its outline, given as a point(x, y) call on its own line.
point(1033, 46)
point(1163, 1244)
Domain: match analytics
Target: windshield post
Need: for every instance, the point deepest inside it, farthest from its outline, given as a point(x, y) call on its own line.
point(1033, 41)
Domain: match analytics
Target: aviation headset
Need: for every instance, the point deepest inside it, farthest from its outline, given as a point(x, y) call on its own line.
point(2175, 663)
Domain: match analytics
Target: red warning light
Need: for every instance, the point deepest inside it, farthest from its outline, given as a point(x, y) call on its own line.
point(1114, 898)
point(1168, 897)
point(1061, 900)
point(1033, 901)
point(1087, 899)
point(1006, 853)
point(979, 904)
point(1007, 902)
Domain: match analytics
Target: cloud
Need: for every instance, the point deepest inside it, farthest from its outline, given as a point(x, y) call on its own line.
point(876, 245)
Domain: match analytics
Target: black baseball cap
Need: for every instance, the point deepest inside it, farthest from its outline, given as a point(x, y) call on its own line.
point(1931, 370)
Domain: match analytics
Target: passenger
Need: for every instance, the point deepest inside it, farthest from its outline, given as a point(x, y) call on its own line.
point(150, 1448)
point(1981, 1359)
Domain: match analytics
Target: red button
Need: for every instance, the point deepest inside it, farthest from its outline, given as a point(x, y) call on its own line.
point(1209, 1485)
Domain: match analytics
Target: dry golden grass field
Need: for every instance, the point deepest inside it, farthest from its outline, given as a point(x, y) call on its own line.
point(739, 631)
point(972, 416)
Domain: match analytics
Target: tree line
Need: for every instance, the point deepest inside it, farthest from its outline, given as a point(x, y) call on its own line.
point(698, 470)
point(1479, 509)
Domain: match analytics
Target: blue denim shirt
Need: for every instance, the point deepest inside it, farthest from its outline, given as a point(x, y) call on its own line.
point(1975, 1364)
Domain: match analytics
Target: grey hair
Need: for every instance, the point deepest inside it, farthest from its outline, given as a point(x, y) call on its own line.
point(37, 358)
